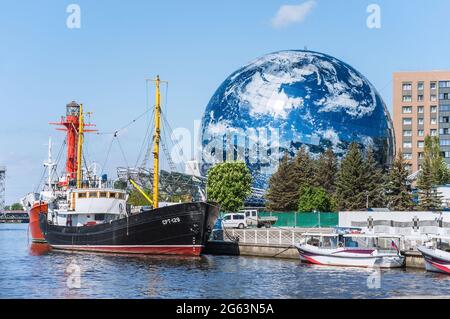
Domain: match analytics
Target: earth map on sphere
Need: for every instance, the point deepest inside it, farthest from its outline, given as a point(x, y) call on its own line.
point(287, 99)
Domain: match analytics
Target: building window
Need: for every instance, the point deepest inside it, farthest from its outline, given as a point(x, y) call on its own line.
point(420, 109)
point(433, 98)
point(420, 86)
point(433, 109)
point(433, 85)
point(445, 119)
point(407, 133)
point(408, 167)
point(446, 154)
point(420, 144)
point(407, 145)
point(443, 131)
point(445, 142)
point(433, 121)
point(407, 156)
point(444, 84)
point(407, 109)
point(443, 96)
point(433, 132)
point(444, 108)
point(420, 98)
point(419, 121)
point(407, 98)
point(407, 87)
point(420, 155)
point(420, 132)
point(407, 121)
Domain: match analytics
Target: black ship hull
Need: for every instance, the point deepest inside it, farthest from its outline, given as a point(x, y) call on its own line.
point(181, 229)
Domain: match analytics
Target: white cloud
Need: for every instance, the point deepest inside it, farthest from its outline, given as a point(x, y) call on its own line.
point(289, 14)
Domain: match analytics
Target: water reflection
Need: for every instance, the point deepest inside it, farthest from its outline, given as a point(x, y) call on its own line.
point(36, 271)
point(38, 249)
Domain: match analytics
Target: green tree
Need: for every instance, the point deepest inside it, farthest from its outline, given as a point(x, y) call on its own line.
point(137, 199)
point(350, 181)
point(314, 199)
point(398, 188)
point(430, 176)
point(375, 181)
point(229, 184)
point(326, 170)
point(439, 169)
point(16, 206)
point(303, 170)
point(119, 184)
point(282, 193)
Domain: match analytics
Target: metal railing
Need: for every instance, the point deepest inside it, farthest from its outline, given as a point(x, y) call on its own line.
point(266, 236)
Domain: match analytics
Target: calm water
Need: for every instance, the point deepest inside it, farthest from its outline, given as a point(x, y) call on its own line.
point(26, 274)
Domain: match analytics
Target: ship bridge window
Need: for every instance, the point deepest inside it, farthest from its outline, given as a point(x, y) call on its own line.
point(99, 217)
point(112, 195)
point(103, 195)
point(93, 194)
point(121, 196)
point(81, 195)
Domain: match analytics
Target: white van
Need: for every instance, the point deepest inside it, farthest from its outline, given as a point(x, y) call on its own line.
point(234, 220)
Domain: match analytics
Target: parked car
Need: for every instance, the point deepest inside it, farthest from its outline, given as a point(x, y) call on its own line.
point(253, 218)
point(234, 220)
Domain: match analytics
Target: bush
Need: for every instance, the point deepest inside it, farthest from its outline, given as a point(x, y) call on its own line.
point(315, 199)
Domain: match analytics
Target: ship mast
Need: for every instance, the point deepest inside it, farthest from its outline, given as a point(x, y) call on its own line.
point(50, 164)
point(156, 139)
point(80, 147)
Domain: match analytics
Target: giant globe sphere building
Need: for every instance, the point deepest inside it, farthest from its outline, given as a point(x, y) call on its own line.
point(287, 99)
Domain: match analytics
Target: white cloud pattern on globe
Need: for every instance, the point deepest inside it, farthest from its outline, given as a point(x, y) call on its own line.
point(310, 98)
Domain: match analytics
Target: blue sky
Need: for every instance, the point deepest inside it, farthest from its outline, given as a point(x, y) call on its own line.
point(193, 44)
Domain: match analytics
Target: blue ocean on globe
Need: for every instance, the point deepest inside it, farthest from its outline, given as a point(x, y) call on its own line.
point(287, 99)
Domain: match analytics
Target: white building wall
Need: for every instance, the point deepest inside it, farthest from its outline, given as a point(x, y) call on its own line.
point(398, 223)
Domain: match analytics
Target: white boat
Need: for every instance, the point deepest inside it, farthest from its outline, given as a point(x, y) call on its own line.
point(436, 255)
point(351, 250)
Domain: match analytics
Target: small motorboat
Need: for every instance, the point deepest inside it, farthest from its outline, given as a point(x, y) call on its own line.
point(436, 254)
point(351, 250)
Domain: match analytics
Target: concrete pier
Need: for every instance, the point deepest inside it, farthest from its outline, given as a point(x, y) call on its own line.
point(245, 249)
point(414, 259)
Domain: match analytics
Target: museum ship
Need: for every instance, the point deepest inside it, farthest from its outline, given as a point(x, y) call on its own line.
point(86, 213)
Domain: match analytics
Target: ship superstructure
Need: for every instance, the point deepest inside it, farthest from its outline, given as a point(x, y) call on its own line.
point(83, 212)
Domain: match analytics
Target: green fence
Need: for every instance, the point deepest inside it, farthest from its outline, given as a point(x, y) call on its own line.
point(295, 219)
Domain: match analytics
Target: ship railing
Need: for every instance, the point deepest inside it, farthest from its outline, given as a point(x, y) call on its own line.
point(265, 236)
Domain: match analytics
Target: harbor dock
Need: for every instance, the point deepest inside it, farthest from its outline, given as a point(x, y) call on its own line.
point(264, 242)
point(277, 243)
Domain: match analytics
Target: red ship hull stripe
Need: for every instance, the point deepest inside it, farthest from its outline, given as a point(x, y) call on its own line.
point(193, 250)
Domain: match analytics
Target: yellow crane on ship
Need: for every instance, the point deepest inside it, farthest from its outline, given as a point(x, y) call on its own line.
point(156, 139)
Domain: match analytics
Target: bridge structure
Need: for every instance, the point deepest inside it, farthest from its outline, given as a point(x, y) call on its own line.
point(176, 183)
point(14, 216)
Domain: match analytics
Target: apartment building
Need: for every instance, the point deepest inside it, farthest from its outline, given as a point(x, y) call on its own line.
point(421, 107)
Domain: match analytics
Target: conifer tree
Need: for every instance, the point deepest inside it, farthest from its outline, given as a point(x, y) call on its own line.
point(398, 188)
point(350, 181)
point(375, 181)
point(326, 170)
point(303, 170)
point(282, 192)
